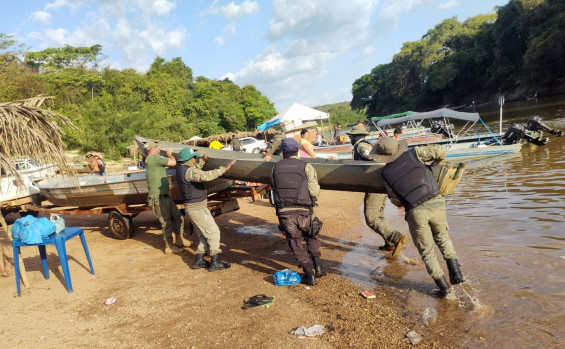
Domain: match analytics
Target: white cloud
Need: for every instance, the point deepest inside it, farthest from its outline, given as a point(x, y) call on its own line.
point(219, 40)
point(74, 4)
point(392, 10)
point(42, 17)
point(163, 7)
point(233, 11)
point(448, 5)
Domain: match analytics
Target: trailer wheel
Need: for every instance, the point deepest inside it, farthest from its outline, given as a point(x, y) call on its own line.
point(120, 226)
point(29, 213)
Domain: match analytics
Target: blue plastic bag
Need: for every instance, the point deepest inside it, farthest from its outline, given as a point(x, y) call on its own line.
point(31, 230)
point(286, 277)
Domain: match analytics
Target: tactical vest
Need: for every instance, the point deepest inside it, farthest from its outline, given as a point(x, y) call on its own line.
point(411, 180)
point(291, 184)
point(191, 191)
point(356, 155)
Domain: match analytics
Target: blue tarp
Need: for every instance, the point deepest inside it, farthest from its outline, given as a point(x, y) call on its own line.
point(268, 124)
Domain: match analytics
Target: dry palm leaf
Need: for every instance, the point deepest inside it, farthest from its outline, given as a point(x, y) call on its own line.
point(28, 131)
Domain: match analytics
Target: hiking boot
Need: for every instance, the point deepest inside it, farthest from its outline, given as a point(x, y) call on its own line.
point(444, 287)
point(200, 262)
point(171, 248)
point(398, 245)
point(455, 275)
point(180, 242)
point(217, 264)
point(386, 248)
point(308, 278)
point(318, 267)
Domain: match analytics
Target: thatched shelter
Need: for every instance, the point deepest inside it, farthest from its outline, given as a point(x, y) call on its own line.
point(29, 131)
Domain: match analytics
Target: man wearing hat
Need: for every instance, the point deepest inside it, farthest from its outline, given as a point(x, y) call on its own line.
point(95, 165)
point(296, 189)
point(373, 203)
point(410, 183)
point(192, 184)
point(159, 199)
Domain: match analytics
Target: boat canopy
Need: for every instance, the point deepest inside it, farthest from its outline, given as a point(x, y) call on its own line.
point(391, 116)
point(434, 114)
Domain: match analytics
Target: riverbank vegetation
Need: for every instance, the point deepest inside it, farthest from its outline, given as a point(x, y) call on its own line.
point(516, 51)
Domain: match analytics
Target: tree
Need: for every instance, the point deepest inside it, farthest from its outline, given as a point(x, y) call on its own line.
point(53, 59)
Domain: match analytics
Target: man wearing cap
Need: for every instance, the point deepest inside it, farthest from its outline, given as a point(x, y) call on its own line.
point(192, 184)
point(374, 204)
point(296, 189)
point(159, 200)
point(410, 183)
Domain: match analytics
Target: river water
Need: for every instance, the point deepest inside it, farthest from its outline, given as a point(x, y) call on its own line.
point(507, 223)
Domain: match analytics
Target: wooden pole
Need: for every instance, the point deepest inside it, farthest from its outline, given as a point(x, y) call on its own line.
point(22, 266)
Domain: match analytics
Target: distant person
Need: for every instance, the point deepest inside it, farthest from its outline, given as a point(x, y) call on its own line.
point(94, 165)
point(397, 132)
point(306, 149)
point(411, 184)
point(159, 198)
point(319, 139)
point(236, 144)
point(337, 133)
point(275, 148)
point(296, 190)
point(374, 203)
point(192, 184)
point(216, 145)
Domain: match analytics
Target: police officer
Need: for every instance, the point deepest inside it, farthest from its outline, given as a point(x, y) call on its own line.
point(192, 185)
point(410, 183)
point(296, 189)
point(374, 204)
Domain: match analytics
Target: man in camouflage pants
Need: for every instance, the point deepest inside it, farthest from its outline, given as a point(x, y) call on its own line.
point(410, 183)
point(192, 184)
point(374, 204)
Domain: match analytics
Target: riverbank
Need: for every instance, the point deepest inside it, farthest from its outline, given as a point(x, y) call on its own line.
point(161, 302)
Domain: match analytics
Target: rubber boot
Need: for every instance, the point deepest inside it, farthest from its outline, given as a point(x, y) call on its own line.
point(180, 242)
point(308, 278)
point(444, 287)
point(217, 264)
point(318, 267)
point(398, 244)
point(171, 248)
point(199, 262)
point(455, 275)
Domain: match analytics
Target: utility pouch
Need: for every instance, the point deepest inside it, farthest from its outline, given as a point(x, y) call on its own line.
point(315, 226)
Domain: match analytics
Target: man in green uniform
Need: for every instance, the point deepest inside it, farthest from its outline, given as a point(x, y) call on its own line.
point(192, 184)
point(410, 183)
point(374, 204)
point(159, 199)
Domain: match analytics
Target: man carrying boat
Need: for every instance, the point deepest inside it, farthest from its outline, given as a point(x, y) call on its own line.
point(410, 183)
point(192, 184)
point(296, 189)
point(159, 199)
point(374, 204)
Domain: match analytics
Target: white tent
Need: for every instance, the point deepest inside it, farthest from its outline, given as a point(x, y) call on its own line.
point(296, 112)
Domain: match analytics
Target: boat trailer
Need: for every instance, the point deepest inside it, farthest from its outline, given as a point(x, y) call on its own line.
point(120, 217)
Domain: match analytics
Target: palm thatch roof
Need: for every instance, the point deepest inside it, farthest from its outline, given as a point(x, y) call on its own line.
point(226, 138)
point(29, 131)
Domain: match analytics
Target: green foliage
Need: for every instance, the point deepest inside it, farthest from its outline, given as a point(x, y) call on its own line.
point(64, 57)
point(518, 48)
point(341, 113)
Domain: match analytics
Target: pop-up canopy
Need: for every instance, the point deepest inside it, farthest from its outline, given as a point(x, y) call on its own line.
point(293, 113)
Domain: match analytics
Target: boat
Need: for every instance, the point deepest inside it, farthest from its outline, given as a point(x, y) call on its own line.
point(342, 175)
point(95, 190)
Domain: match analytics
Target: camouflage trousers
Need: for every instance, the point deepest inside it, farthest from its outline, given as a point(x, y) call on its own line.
point(205, 226)
point(374, 209)
point(169, 215)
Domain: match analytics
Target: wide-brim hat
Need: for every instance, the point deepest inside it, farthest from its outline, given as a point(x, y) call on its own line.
point(388, 149)
point(150, 145)
point(187, 154)
point(358, 130)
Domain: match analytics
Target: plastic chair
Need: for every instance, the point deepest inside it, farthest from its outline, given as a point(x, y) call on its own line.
point(59, 240)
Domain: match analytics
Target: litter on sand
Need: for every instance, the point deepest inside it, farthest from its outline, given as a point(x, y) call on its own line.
point(110, 301)
point(413, 337)
point(312, 331)
point(257, 301)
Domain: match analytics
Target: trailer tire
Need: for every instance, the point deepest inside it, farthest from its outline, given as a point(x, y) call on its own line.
point(29, 213)
point(121, 227)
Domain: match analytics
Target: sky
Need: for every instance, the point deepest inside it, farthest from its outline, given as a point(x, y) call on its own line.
point(293, 51)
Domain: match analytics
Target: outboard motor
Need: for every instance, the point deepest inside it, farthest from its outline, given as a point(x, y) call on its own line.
point(514, 134)
point(536, 124)
point(439, 127)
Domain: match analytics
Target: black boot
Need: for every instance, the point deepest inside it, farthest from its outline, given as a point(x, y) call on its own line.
point(455, 275)
point(217, 264)
point(318, 267)
point(308, 278)
point(199, 262)
point(443, 286)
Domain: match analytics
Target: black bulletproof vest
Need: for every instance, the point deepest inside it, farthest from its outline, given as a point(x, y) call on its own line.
point(411, 180)
point(356, 155)
point(191, 192)
point(290, 183)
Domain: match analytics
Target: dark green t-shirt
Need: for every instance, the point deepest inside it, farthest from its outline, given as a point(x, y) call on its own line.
point(156, 175)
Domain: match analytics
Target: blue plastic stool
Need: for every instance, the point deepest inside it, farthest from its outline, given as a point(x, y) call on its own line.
point(59, 240)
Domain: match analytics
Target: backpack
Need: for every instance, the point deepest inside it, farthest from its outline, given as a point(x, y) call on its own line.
point(101, 165)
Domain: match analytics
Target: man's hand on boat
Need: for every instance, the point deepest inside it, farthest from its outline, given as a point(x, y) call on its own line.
point(205, 158)
point(228, 166)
